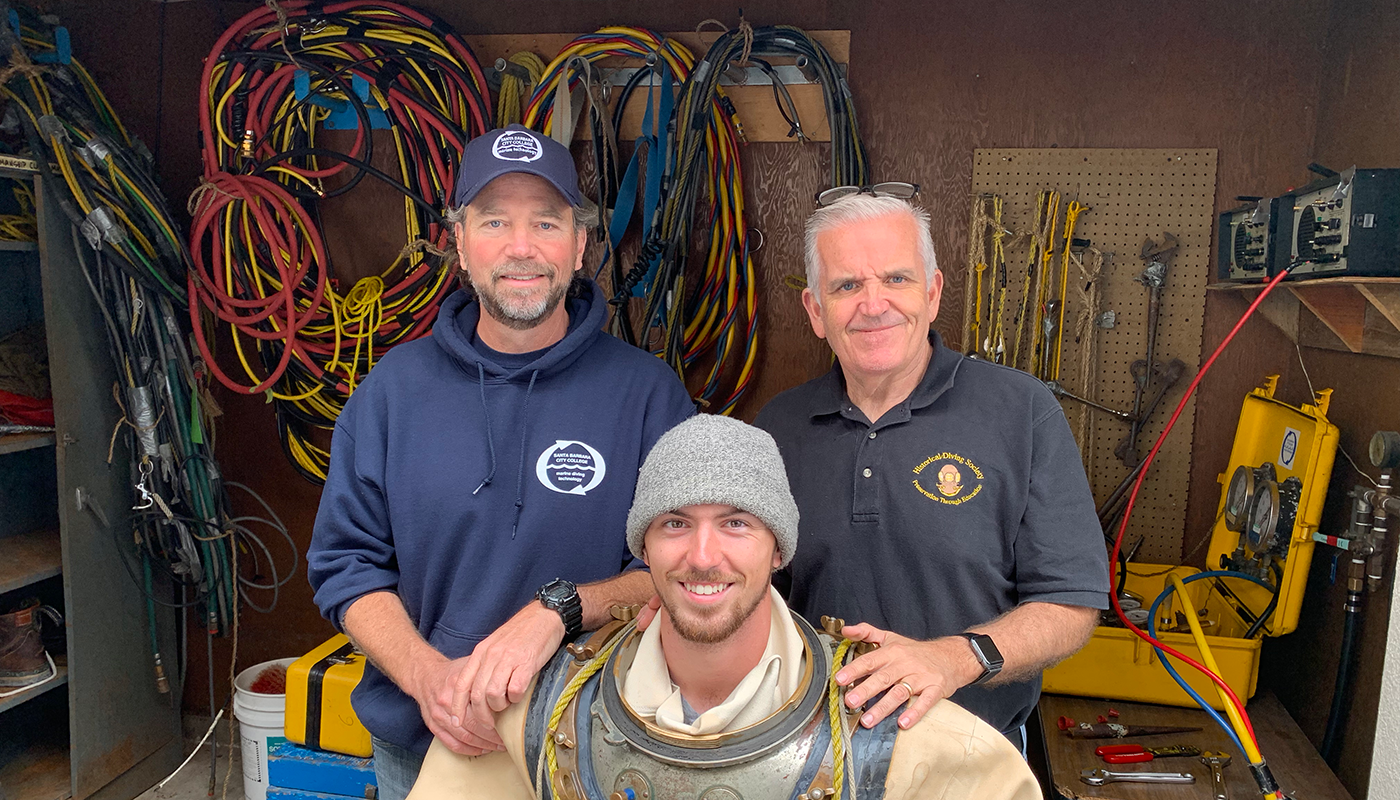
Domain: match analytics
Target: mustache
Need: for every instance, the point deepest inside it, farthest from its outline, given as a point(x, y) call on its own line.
point(707, 576)
point(512, 268)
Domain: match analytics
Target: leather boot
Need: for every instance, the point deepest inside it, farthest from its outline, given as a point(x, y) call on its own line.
point(22, 660)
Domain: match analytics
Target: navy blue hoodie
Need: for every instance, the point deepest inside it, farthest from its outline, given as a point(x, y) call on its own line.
point(464, 487)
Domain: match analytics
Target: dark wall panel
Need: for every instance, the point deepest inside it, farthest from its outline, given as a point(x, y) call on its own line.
point(1359, 111)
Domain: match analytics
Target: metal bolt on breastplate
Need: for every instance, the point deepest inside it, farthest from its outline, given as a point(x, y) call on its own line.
point(624, 613)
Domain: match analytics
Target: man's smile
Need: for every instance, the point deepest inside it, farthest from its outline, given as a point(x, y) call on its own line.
point(706, 592)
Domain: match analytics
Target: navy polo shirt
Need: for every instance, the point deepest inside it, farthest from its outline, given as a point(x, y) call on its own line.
point(960, 503)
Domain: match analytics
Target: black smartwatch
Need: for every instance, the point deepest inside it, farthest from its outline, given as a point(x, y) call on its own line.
point(562, 597)
point(987, 655)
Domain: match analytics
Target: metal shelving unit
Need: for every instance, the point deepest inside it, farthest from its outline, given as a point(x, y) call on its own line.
point(99, 728)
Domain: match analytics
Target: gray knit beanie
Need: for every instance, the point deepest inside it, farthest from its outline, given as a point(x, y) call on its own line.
point(712, 459)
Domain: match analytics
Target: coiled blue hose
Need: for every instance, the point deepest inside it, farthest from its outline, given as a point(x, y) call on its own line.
point(1186, 687)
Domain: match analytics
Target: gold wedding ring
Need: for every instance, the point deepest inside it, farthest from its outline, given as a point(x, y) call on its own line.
point(907, 687)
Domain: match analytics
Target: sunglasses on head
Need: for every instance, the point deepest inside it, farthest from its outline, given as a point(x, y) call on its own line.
point(899, 189)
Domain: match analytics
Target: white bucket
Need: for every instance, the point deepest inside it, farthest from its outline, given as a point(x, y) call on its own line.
point(260, 717)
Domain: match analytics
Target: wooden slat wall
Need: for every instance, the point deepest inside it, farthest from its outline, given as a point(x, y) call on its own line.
point(932, 82)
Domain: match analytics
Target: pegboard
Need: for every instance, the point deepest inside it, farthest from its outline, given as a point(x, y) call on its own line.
point(1131, 194)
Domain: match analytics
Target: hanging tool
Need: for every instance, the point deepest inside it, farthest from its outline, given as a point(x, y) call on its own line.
point(1168, 376)
point(1060, 391)
point(1072, 212)
point(1136, 753)
point(1098, 777)
point(996, 343)
point(1158, 258)
point(1042, 203)
point(977, 264)
point(1042, 284)
point(1054, 316)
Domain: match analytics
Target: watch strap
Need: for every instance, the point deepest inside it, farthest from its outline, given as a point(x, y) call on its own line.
point(562, 597)
point(991, 661)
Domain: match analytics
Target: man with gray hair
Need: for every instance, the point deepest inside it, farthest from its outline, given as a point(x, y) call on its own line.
point(475, 507)
point(945, 508)
point(725, 695)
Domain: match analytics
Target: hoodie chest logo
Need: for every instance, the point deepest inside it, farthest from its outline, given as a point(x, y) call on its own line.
point(570, 467)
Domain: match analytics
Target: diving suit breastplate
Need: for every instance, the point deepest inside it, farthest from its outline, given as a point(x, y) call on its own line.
point(604, 750)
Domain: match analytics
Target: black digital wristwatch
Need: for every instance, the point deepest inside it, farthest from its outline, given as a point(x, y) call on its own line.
point(562, 597)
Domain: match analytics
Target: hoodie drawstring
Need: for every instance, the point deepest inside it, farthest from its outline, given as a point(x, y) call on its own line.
point(490, 440)
point(524, 436)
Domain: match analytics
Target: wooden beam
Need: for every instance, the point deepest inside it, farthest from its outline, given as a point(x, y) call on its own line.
point(1282, 309)
point(1341, 308)
point(1385, 297)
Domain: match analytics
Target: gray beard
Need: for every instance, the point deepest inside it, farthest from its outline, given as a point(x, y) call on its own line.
point(514, 312)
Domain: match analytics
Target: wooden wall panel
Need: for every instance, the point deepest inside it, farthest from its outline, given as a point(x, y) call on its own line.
point(1359, 112)
point(931, 83)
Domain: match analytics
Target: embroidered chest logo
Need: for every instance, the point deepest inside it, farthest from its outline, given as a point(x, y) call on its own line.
point(948, 478)
point(570, 467)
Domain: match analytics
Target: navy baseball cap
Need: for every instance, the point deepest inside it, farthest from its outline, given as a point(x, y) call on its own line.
point(515, 149)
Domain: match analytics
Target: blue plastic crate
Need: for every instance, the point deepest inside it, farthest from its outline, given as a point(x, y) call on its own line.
point(300, 773)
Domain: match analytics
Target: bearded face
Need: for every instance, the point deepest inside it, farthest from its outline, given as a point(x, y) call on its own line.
point(711, 565)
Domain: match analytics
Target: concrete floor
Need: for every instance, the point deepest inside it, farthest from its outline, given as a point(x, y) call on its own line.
point(192, 782)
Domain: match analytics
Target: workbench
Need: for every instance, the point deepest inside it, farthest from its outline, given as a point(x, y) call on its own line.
point(1295, 762)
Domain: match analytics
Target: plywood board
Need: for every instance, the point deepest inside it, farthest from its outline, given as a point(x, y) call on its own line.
point(1131, 194)
point(756, 108)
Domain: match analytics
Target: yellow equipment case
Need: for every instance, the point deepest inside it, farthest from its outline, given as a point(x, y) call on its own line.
point(1271, 505)
point(319, 714)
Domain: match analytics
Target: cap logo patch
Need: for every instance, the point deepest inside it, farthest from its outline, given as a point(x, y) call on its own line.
point(517, 146)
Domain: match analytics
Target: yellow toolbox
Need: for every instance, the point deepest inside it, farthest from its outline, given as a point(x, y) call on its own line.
point(319, 684)
point(1270, 506)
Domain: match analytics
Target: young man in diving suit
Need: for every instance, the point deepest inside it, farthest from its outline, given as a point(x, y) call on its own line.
point(725, 695)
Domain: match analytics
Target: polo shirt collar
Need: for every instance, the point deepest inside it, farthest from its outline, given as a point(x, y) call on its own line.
point(938, 378)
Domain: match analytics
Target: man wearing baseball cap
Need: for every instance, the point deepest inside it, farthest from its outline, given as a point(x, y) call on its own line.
point(726, 689)
point(480, 478)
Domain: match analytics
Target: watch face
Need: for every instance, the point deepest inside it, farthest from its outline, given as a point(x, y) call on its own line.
point(558, 590)
point(989, 650)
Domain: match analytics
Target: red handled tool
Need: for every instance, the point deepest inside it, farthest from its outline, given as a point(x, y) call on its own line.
point(1134, 753)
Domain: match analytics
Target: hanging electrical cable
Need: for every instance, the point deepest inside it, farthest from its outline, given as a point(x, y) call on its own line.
point(698, 150)
point(135, 265)
point(1239, 725)
point(686, 168)
point(260, 265)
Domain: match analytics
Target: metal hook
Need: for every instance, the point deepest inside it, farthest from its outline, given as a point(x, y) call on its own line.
point(759, 234)
point(147, 500)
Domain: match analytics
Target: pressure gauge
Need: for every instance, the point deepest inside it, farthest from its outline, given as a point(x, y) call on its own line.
point(1238, 498)
point(1385, 449)
point(1263, 517)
